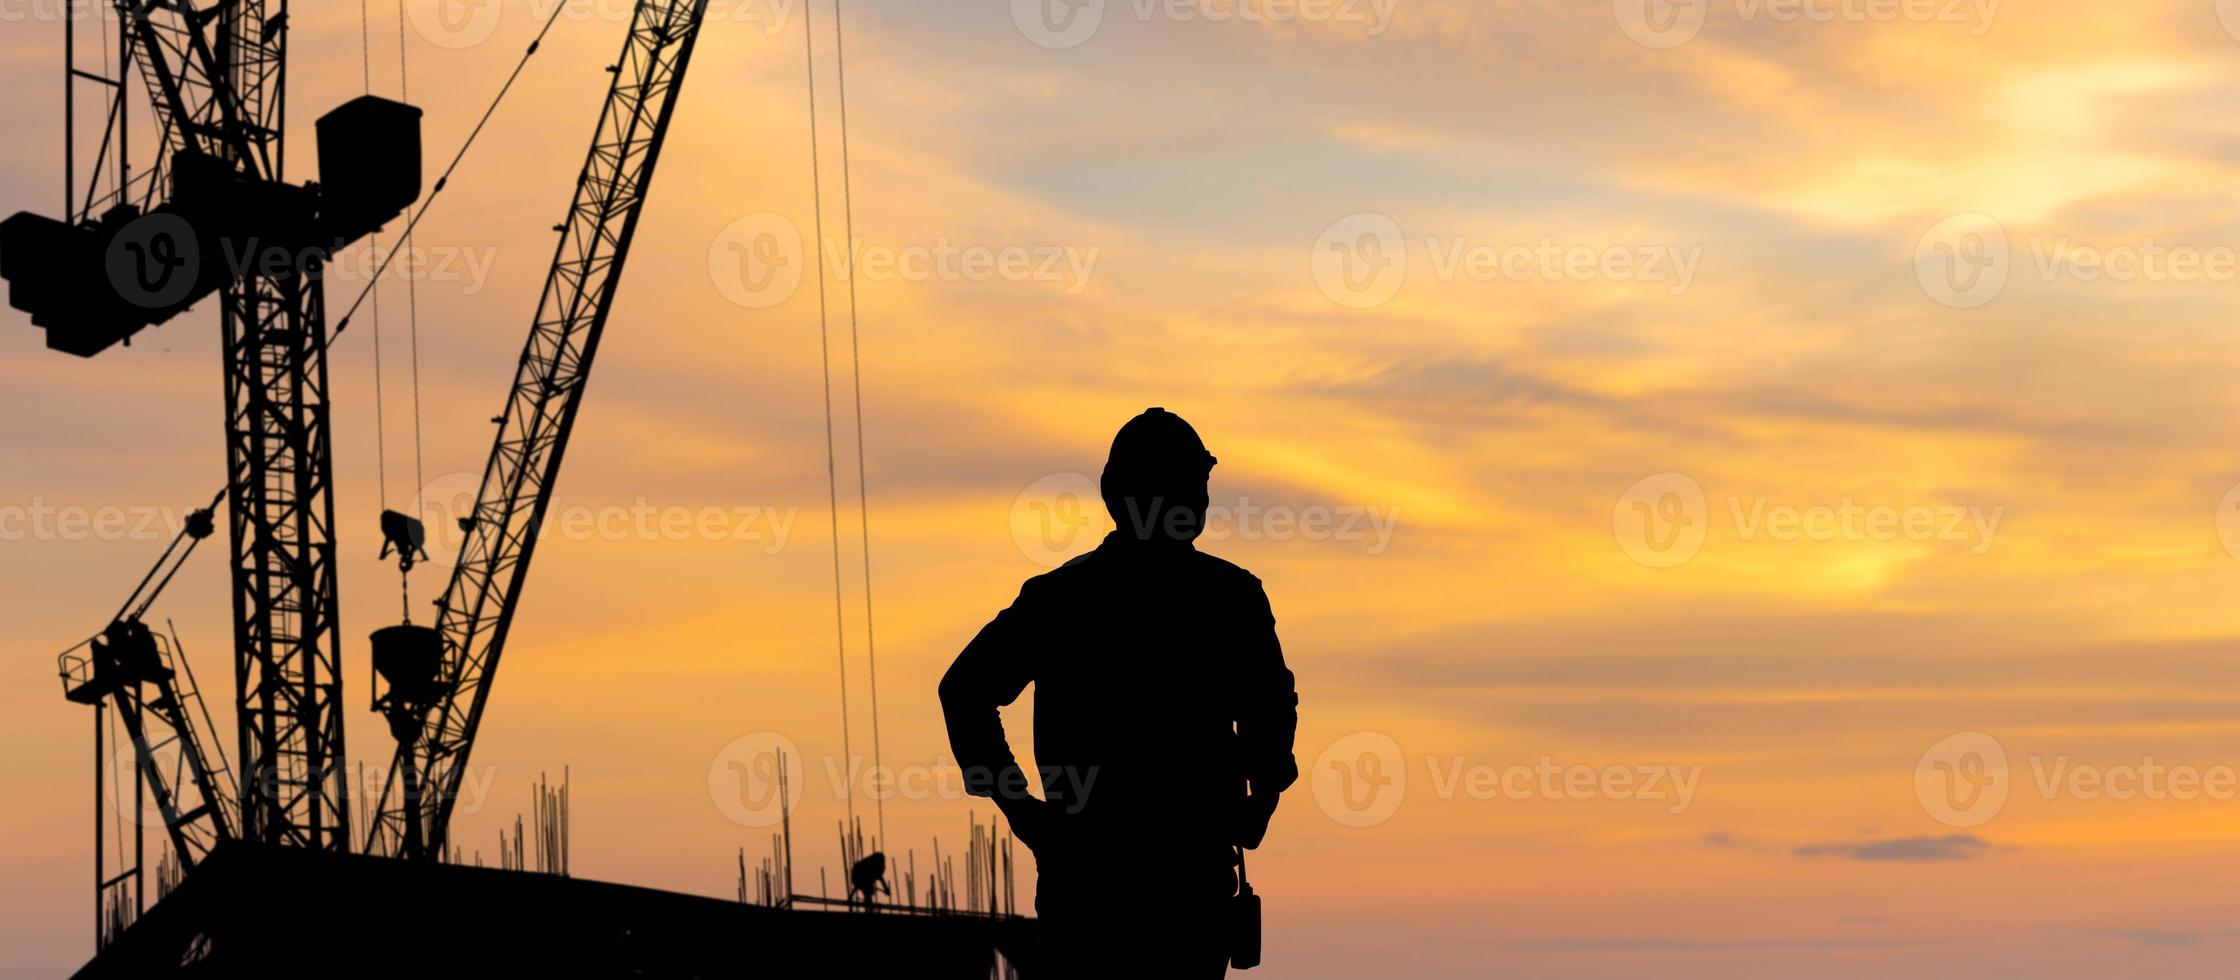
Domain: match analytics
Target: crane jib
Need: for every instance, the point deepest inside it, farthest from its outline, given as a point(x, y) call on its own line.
point(477, 608)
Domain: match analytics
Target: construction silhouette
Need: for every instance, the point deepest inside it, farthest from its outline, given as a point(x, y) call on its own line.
point(259, 868)
point(1163, 726)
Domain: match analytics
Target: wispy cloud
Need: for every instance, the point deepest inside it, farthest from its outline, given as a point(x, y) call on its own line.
point(1953, 847)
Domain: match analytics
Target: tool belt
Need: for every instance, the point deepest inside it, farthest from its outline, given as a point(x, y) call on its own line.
point(1244, 922)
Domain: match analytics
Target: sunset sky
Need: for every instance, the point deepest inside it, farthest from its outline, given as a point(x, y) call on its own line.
point(1752, 395)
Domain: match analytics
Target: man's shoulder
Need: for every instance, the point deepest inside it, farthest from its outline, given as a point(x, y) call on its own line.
point(1059, 579)
point(1222, 569)
point(1088, 566)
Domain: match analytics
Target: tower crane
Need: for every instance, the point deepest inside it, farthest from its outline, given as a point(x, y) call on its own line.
point(213, 214)
point(140, 674)
point(436, 681)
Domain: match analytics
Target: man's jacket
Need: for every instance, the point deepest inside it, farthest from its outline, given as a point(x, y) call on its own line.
point(1161, 699)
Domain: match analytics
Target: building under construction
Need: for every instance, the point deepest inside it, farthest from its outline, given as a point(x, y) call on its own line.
point(260, 865)
point(256, 910)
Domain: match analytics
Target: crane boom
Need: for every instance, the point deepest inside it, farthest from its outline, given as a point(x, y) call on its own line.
point(119, 666)
point(477, 608)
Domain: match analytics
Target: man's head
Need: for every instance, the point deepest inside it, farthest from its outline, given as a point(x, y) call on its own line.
point(1154, 482)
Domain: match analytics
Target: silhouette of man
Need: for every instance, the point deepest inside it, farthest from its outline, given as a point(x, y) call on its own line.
point(1163, 723)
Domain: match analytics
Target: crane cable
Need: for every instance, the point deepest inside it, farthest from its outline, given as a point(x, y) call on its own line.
point(117, 768)
point(373, 246)
point(824, 347)
point(411, 279)
point(430, 200)
point(855, 357)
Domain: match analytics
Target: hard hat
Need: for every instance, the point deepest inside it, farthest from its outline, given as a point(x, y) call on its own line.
point(1156, 448)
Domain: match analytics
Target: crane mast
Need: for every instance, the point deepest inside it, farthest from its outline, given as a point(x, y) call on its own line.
point(435, 718)
point(213, 215)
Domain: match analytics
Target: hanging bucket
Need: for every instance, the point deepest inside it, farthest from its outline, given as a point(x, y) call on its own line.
point(408, 658)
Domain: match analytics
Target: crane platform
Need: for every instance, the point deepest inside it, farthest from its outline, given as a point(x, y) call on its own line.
point(253, 910)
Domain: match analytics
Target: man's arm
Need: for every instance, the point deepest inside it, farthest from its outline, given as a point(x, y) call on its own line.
point(991, 672)
point(1267, 720)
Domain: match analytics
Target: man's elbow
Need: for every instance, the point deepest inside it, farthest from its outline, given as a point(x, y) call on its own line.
point(1283, 774)
point(954, 691)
